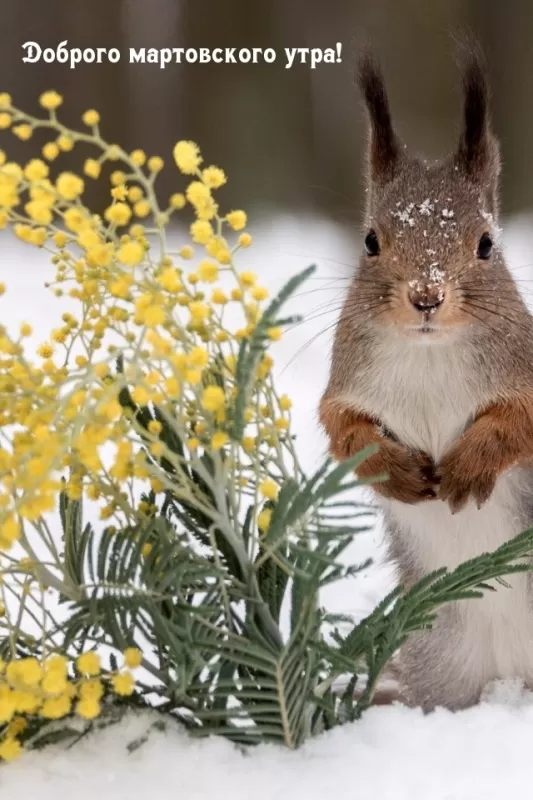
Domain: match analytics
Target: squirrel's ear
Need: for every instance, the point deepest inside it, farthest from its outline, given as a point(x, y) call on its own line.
point(478, 151)
point(383, 148)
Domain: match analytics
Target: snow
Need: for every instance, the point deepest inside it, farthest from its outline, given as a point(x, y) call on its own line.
point(393, 752)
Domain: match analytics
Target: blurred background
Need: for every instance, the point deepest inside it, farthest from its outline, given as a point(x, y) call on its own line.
point(289, 139)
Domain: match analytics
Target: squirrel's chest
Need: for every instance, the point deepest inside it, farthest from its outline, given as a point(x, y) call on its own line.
point(422, 394)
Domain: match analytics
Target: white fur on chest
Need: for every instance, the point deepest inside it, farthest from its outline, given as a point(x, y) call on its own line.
point(424, 394)
point(421, 392)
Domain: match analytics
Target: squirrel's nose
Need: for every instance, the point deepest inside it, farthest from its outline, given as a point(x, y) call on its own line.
point(426, 297)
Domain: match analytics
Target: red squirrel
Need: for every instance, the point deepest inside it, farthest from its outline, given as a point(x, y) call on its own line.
point(433, 361)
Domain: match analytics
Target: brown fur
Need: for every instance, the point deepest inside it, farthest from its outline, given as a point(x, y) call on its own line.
point(500, 438)
point(410, 473)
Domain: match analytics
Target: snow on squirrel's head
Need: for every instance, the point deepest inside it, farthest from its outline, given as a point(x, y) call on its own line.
point(432, 246)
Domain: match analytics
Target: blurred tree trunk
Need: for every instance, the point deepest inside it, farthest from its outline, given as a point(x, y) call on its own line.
point(413, 42)
point(507, 30)
point(253, 119)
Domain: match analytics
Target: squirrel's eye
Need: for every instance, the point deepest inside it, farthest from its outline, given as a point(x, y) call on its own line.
point(371, 243)
point(484, 249)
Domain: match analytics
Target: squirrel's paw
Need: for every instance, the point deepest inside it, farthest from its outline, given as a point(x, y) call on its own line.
point(466, 472)
point(411, 473)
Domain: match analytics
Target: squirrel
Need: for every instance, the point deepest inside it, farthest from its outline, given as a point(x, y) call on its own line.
point(432, 360)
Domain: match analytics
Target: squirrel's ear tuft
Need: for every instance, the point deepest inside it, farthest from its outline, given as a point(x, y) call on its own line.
point(478, 151)
point(383, 149)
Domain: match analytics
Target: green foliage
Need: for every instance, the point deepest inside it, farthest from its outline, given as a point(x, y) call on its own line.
point(228, 616)
point(217, 654)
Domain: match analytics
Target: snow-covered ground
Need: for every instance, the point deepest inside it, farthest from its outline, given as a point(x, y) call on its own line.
point(393, 752)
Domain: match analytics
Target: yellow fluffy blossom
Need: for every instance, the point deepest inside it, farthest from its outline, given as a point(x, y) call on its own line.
point(155, 164)
point(23, 131)
point(88, 708)
point(89, 663)
point(10, 749)
point(65, 143)
point(119, 192)
point(217, 248)
point(153, 315)
point(138, 157)
point(132, 657)
point(24, 673)
point(140, 396)
point(56, 707)
point(237, 220)
point(36, 170)
point(50, 100)
point(260, 293)
point(91, 689)
point(202, 231)
point(7, 704)
point(92, 168)
point(245, 240)
point(264, 518)
point(207, 271)
point(213, 398)
point(248, 443)
point(39, 212)
point(199, 357)
point(219, 297)
point(90, 117)
point(69, 186)
point(50, 151)
point(118, 214)
point(135, 193)
point(187, 157)
point(170, 280)
point(219, 439)
point(45, 350)
point(123, 683)
point(173, 387)
point(198, 194)
point(199, 311)
point(214, 177)
point(248, 278)
point(118, 178)
point(269, 489)
point(142, 208)
point(177, 200)
point(130, 253)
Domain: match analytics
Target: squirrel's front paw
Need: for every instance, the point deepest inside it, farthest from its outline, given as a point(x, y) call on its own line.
point(411, 473)
point(467, 471)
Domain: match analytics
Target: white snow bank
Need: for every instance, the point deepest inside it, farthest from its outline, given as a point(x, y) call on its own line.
point(391, 754)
